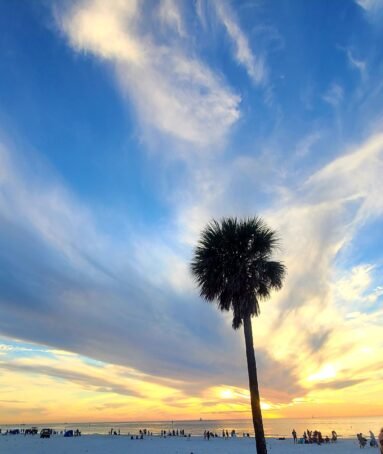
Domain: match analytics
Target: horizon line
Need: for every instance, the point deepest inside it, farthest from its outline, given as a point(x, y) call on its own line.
point(187, 420)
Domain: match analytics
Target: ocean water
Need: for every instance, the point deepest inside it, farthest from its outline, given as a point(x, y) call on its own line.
point(345, 427)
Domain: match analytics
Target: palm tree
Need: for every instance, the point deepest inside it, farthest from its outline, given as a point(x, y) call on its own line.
point(233, 266)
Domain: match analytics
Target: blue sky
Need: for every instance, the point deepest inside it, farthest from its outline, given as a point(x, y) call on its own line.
point(126, 126)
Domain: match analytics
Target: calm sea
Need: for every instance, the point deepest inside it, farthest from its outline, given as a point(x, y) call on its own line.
point(345, 427)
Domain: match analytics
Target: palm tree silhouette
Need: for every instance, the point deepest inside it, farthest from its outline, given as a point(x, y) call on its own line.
point(232, 265)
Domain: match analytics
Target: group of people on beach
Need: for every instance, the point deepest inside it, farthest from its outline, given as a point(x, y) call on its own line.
point(314, 436)
point(225, 434)
point(36, 431)
point(174, 433)
point(317, 438)
point(374, 443)
point(140, 435)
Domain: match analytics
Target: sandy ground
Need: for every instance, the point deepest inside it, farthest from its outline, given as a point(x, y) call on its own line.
point(101, 444)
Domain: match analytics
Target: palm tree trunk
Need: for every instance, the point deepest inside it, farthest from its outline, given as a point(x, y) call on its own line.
point(254, 391)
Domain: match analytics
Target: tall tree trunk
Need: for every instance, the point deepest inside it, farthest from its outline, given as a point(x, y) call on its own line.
point(254, 391)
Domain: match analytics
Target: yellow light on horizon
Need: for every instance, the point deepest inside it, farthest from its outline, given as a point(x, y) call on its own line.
point(265, 406)
point(327, 371)
point(226, 394)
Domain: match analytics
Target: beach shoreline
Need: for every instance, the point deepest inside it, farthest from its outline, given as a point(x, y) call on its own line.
point(100, 444)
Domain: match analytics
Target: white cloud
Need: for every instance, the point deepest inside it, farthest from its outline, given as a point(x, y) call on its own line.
point(200, 7)
point(373, 11)
point(170, 15)
point(370, 5)
point(152, 297)
point(317, 219)
point(71, 286)
point(334, 95)
point(354, 178)
point(105, 30)
point(172, 90)
point(354, 290)
point(48, 210)
point(304, 145)
point(254, 65)
point(360, 65)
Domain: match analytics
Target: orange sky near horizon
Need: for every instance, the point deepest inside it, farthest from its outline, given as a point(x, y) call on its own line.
point(43, 385)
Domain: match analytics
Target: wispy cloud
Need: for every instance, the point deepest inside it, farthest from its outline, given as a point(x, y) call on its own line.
point(317, 220)
point(115, 316)
point(89, 381)
point(89, 293)
point(172, 89)
point(373, 11)
point(109, 389)
point(334, 95)
point(254, 65)
point(305, 145)
point(370, 6)
point(360, 65)
point(170, 15)
point(354, 62)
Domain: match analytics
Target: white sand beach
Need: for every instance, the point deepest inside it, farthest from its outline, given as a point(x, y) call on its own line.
point(101, 444)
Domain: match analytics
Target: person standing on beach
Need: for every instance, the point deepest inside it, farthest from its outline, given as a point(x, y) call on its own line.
point(294, 434)
point(380, 438)
point(373, 442)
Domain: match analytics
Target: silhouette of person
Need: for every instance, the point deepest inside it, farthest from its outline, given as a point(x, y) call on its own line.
point(380, 438)
point(373, 442)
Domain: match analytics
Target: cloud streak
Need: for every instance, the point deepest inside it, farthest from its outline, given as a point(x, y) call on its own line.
point(173, 90)
point(254, 65)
